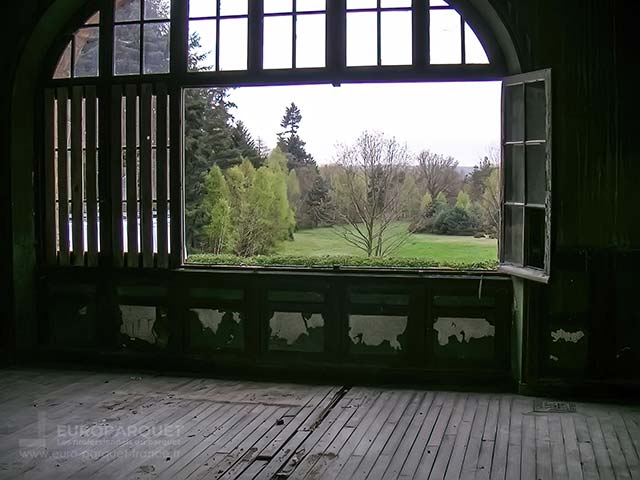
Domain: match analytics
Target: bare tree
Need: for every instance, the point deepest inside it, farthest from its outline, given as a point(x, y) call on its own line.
point(439, 173)
point(366, 194)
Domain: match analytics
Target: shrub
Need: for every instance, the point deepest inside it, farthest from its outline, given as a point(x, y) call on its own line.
point(454, 221)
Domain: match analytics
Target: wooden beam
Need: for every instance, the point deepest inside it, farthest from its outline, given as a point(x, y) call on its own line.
point(77, 191)
point(146, 191)
point(91, 121)
point(63, 178)
point(162, 177)
point(49, 180)
point(131, 154)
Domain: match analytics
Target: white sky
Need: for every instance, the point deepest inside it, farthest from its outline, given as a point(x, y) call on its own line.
point(457, 119)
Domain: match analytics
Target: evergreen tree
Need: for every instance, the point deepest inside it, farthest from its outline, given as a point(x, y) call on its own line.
point(290, 142)
point(244, 143)
point(208, 142)
point(316, 203)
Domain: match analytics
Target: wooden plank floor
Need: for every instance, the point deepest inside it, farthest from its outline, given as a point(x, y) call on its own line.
point(77, 425)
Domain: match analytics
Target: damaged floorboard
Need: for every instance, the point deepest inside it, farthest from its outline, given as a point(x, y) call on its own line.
point(70, 424)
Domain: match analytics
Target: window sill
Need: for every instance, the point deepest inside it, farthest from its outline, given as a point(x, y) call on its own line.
point(527, 273)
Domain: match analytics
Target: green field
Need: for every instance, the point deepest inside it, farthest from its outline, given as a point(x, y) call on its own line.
point(323, 247)
point(324, 241)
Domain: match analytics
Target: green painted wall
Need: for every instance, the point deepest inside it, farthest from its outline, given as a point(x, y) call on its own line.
point(590, 46)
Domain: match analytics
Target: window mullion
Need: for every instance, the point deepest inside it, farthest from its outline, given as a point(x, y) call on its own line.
point(294, 25)
point(336, 39)
point(256, 34)
point(179, 39)
point(420, 34)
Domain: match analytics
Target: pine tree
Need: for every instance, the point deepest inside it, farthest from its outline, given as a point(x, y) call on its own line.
point(290, 142)
point(208, 142)
point(244, 143)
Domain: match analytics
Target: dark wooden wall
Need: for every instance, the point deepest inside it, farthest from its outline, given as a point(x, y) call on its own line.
point(592, 48)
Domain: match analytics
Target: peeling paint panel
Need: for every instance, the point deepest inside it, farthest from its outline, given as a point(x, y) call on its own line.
point(463, 338)
point(73, 323)
point(143, 327)
point(296, 331)
point(567, 348)
point(562, 336)
point(213, 330)
point(377, 334)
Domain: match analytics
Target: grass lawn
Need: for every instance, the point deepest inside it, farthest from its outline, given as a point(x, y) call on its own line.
point(321, 242)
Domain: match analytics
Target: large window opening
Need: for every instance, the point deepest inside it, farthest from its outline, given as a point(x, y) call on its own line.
point(294, 132)
point(390, 175)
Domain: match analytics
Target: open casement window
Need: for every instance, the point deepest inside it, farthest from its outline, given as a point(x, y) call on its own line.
point(526, 176)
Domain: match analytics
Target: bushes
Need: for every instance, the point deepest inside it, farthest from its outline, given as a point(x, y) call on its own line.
point(336, 261)
point(454, 221)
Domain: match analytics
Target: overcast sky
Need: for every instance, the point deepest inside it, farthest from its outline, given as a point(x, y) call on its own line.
point(457, 119)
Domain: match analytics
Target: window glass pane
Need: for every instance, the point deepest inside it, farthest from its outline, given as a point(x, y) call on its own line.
point(445, 37)
point(438, 3)
point(157, 9)
point(310, 41)
point(94, 19)
point(127, 50)
point(63, 69)
point(474, 51)
point(514, 114)
point(535, 237)
point(87, 41)
point(202, 45)
point(536, 186)
point(362, 34)
point(233, 44)
point(396, 38)
point(514, 173)
point(310, 5)
point(354, 4)
point(513, 231)
point(156, 48)
point(233, 7)
point(536, 111)
point(278, 6)
point(127, 10)
point(202, 8)
point(278, 48)
point(395, 3)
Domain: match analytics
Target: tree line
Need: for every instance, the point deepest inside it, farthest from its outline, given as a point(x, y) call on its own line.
point(242, 199)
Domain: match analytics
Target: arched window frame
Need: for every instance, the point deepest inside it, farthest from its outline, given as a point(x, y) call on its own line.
point(335, 70)
point(112, 89)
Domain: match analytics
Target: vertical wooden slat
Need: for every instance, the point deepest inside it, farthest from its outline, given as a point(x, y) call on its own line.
point(175, 178)
point(49, 231)
point(161, 177)
point(146, 199)
point(77, 200)
point(420, 32)
point(131, 167)
point(63, 180)
point(116, 176)
point(91, 175)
